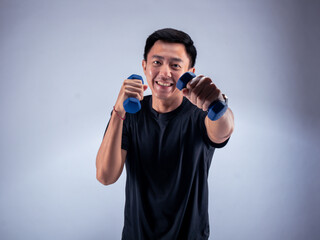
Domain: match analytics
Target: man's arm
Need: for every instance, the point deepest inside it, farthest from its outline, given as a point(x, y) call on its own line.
point(202, 92)
point(220, 130)
point(111, 158)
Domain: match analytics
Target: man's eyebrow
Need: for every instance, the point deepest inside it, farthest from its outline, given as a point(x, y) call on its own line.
point(172, 59)
point(157, 56)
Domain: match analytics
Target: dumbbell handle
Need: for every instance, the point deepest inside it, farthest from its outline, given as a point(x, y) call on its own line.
point(216, 108)
point(132, 105)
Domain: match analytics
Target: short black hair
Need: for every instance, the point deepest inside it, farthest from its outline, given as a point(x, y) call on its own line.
point(171, 35)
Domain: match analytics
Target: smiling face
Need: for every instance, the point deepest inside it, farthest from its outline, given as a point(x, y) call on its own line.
point(166, 62)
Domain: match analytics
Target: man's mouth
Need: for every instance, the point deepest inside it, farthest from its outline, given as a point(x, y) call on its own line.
point(164, 84)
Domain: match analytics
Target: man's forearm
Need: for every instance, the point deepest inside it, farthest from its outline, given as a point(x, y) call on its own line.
point(221, 129)
point(110, 157)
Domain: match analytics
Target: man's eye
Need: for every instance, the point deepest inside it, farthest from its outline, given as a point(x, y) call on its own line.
point(156, 62)
point(176, 66)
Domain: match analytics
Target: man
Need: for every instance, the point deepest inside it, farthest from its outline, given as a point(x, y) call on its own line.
point(167, 146)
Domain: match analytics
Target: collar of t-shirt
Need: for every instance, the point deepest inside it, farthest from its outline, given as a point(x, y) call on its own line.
point(167, 115)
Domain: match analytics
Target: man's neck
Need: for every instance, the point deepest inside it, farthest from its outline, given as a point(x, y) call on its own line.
point(166, 105)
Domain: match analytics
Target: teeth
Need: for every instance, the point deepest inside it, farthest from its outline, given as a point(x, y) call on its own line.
point(164, 84)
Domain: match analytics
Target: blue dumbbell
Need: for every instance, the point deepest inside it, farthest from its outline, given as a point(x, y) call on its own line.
point(132, 105)
point(216, 109)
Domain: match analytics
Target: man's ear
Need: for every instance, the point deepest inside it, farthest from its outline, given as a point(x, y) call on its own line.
point(192, 70)
point(144, 66)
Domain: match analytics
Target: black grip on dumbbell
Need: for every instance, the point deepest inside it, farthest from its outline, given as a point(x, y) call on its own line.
point(216, 109)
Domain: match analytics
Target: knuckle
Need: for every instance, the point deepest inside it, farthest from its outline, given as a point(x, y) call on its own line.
point(212, 85)
point(206, 104)
point(127, 93)
point(136, 95)
point(207, 79)
point(196, 91)
point(193, 99)
point(202, 97)
point(205, 107)
point(199, 102)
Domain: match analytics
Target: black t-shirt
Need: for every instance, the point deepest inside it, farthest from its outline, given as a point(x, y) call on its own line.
point(168, 159)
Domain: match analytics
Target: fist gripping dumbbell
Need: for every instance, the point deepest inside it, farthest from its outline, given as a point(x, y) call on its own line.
point(216, 109)
point(132, 105)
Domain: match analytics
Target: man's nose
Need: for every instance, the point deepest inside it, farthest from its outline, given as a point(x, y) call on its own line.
point(165, 71)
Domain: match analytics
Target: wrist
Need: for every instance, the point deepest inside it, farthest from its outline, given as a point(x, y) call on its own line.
point(119, 114)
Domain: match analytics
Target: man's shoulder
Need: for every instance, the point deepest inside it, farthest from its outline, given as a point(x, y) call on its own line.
point(146, 100)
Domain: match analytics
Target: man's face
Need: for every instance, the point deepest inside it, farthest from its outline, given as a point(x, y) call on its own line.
point(166, 62)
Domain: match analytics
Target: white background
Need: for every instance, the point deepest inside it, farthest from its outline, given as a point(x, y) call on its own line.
point(61, 67)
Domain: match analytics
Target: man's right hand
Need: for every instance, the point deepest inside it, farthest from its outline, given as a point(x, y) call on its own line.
point(130, 88)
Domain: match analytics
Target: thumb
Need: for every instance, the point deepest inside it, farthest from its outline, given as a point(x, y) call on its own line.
point(185, 92)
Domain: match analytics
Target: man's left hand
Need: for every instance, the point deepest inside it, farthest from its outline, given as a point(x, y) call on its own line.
point(201, 91)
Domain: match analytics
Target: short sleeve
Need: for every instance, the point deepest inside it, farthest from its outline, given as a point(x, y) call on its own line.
point(125, 135)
